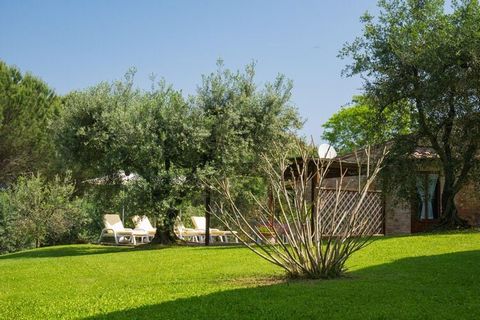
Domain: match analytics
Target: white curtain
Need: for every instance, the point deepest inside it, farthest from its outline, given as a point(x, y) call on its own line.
point(426, 196)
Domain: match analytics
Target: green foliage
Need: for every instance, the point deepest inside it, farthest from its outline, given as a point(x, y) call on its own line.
point(124, 199)
point(36, 212)
point(27, 109)
point(362, 124)
point(95, 134)
point(242, 121)
point(169, 132)
point(170, 142)
point(11, 231)
point(113, 127)
point(243, 125)
point(421, 54)
point(429, 276)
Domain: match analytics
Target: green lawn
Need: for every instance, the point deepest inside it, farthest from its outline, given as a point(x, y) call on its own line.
point(416, 277)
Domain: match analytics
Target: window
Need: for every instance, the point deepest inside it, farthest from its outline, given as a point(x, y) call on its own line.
point(428, 196)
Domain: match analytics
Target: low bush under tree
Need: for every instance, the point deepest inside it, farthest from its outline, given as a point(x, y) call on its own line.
point(36, 212)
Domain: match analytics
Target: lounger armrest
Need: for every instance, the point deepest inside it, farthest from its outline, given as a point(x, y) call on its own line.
point(108, 229)
point(203, 230)
point(138, 231)
point(115, 232)
point(120, 232)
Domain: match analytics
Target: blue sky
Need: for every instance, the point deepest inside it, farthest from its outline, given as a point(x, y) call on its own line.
point(75, 44)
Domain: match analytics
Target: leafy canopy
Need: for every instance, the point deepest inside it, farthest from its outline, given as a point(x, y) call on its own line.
point(418, 53)
point(171, 142)
point(362, 124)
point(27, 109)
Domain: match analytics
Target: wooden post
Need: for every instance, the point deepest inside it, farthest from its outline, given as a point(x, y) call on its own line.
point(315, 182)
point(271, 205)
point(207, 215)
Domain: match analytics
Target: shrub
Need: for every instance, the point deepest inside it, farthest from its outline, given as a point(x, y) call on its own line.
point(11, 230)
point(305, 237)
point(36, 212)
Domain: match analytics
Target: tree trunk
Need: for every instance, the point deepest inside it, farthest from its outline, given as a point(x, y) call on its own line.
point(165, 231)
point(450, 218)
point(208, 208)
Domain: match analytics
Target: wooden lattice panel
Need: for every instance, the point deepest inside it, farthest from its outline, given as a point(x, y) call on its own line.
point(337, 208)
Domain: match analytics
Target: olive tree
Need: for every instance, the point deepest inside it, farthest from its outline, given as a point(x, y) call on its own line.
point(113, 127)
point(419, 53)
point(241, 121)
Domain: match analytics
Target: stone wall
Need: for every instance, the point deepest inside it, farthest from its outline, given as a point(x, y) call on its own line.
point(398, 216)
point(467, 201)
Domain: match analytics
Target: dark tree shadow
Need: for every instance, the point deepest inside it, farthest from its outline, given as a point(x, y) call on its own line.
point(77, 250)
point(89, 249)
point(65, 251)
point(427, 287)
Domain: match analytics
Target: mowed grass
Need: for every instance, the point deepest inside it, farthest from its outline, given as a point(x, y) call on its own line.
point(415, 277)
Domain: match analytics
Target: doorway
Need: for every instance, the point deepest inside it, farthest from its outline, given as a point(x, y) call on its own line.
point(426, 202)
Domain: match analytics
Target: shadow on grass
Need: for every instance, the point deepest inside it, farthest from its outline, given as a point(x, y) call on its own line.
point(440, 287)
point(91, 249)
point(78, 250)
point(65, 251)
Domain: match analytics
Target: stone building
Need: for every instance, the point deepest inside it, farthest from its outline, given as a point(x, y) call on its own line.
point(420, 213)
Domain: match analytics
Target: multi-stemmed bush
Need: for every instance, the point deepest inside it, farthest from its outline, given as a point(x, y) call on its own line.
point(308, 238)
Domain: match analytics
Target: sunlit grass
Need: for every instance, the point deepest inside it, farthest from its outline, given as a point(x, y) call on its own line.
point(430, 276)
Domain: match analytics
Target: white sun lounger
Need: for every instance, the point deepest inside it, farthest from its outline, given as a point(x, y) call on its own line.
point(142, 222)
point(187, 233)
point(200, 225)
point(114, 229)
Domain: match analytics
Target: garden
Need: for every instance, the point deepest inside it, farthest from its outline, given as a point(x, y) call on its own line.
point(121, 202)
